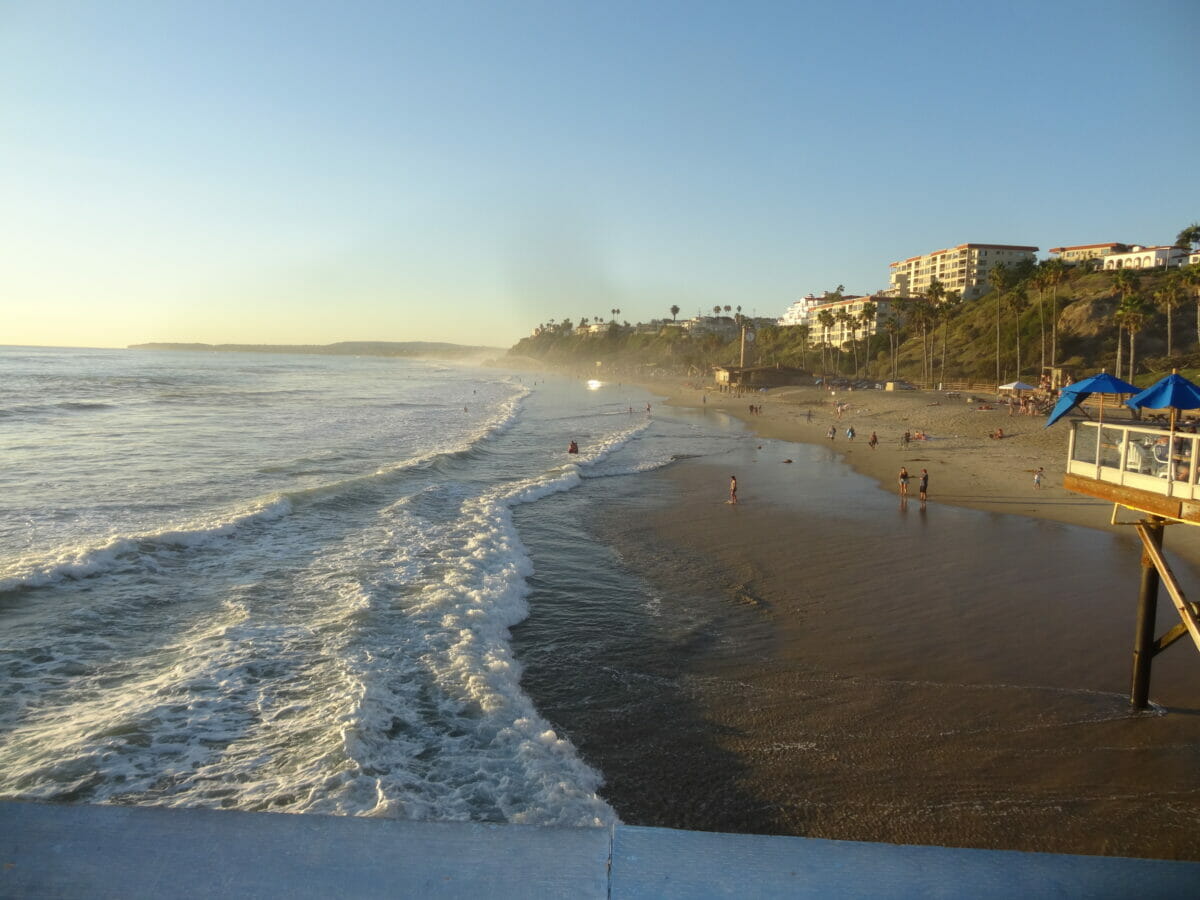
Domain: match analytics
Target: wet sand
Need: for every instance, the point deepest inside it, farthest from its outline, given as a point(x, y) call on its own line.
point(884, 671)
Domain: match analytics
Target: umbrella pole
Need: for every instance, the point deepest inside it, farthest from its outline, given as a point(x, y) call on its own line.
point(1099, 432)
point(1171, 450)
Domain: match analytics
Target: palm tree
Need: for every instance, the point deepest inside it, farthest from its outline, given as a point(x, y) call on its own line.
point(843, 319)
point(1001, 281)
point(866, 317)
point(804, 332)
point(1190, 275)
point(1188, 237)
point(921, 315)
point(1055, 271)
point(1132, 317)
point(826, 321)
point(949, 304)
point(1018, 302)
point(674, 312)
point(1041, 281)
point(1169, 297)
point(717, 310)
point(892, 327)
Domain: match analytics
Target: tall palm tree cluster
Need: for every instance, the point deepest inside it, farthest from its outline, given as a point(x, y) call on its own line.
point(1134, 310)
point(948, 333)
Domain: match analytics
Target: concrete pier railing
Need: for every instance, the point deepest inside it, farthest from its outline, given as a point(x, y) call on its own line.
point(133, 852)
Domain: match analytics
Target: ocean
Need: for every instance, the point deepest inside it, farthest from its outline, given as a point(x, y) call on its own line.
point(381, 587)
point(288, 582)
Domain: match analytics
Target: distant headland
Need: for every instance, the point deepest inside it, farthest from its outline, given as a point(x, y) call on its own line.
point(415, 349)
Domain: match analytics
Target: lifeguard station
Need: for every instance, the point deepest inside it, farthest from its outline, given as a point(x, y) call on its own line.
point(1149, 467)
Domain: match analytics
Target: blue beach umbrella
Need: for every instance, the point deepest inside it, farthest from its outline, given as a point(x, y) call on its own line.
point(1173, 392)
point(1074, 394)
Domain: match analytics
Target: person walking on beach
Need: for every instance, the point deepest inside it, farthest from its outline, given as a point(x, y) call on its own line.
point(831, 433)
point(903, 482)
point(850, 433)
point(923, 485)
point(733, 489)
point(1037, 476)
point(874, 439)
point(808, 416)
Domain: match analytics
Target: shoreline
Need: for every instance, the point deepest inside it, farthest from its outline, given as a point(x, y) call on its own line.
point(945, 676)
point(967, 468)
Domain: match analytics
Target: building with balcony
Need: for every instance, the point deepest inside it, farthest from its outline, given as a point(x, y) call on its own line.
point(843, 331)
point(1081, 252)
point(797, 313)
point(963, 269)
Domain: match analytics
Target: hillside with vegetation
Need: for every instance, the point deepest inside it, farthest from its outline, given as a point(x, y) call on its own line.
point(1139, 323)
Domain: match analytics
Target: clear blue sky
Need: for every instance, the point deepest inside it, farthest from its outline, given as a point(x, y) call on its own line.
point(286, 172)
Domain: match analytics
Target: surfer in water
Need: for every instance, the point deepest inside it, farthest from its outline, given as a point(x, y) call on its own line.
point(572, 447)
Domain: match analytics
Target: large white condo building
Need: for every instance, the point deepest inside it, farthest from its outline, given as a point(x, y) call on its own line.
point(963, 268)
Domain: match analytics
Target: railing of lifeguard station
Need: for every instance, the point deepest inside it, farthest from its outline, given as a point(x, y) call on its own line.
point(1138, 456)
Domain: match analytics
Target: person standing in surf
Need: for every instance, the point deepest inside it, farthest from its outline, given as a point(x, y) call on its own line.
point(733, 489)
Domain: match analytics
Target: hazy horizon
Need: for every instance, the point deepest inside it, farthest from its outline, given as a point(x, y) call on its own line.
point(301, 174)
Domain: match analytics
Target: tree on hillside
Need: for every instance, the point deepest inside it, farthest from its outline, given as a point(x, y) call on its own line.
point(892, 327)
point(934, 294)
point(825, 320)
point(804, 332)
point(1018, 302)
point(866, 318)
point(674, 312)
point(717, 310)
point(1131, 316)
point(1000, 280)
point(1169, 297)
point(1189, 237)
point(1190, 277)
point(921, 316)
point(949, 305)
point(1125, 281)
point(1055, 270)
point(844, 319)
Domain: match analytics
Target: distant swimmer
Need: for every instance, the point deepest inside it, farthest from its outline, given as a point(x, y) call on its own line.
point(572, 447)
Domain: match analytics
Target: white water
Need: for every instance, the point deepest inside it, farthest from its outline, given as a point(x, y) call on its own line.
point(286, 582)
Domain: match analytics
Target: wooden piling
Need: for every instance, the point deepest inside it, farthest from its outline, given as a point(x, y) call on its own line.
point(1144, 643)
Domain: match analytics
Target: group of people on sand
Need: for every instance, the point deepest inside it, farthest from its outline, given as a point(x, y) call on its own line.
point(922, 487)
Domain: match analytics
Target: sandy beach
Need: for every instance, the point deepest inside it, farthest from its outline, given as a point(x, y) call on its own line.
point(967, 467)
point(894, 672)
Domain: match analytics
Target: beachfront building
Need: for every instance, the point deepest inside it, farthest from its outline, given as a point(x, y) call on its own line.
point(1140, 257)
point(797, 313)
point(722, 326)
point(963, 269)
point(851, 326)
point(1081, 252)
